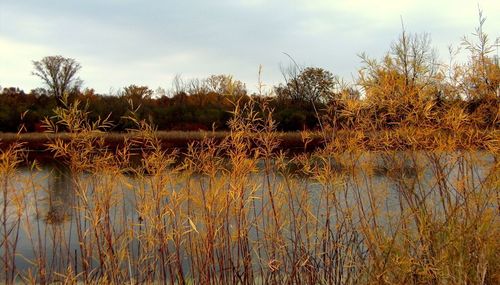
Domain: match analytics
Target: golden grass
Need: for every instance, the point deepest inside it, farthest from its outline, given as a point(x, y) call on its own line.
point(237, 210)
point(402, 138)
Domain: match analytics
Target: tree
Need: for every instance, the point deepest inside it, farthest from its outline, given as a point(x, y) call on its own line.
point(408, 71)
point(59, 74)
point(481, 76)
point(312, 84)
point(405, 87)
point(225, 85)
point(137, 92)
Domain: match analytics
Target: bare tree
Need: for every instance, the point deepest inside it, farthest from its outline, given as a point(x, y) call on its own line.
point(178, 85)
point(59, 74)
point(414, 58)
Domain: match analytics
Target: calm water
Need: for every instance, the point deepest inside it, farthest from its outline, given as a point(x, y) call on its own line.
point(51, 218)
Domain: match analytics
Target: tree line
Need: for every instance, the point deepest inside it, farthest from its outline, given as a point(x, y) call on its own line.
point(409, 86)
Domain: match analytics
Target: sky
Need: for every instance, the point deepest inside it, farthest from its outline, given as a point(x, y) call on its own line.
point(149, 42)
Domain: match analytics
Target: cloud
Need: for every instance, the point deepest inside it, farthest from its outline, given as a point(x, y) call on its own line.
point(16, 65)
point(125, 42)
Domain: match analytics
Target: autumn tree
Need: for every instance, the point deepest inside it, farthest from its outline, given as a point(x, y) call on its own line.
point(405, 71)
point(137, 92)
point(481, 75)
point(224, 85)
point(139, 96)
point(479, 78)
point(403, 87)
point(312, 84)
point(59, 74)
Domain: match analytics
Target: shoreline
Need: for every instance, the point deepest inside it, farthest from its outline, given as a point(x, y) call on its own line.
point(295, 142)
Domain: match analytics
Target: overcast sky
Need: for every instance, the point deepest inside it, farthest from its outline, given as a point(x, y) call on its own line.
point(123, 42)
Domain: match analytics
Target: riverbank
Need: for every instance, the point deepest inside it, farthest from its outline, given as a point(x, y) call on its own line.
point(294, 142)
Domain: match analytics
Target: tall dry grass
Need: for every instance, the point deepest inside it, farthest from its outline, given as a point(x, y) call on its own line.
point(392, 196)
point(239, 211)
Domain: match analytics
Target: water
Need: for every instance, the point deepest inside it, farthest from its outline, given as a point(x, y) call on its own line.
point(49, 227)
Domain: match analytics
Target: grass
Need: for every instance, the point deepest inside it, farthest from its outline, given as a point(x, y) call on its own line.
point(235, 209)
point(294, 142)
point(395, 189)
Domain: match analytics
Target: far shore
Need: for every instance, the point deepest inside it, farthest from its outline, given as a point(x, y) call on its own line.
point(296, 142)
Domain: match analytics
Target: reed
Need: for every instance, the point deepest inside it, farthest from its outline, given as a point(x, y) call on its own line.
point(396, 190)
point(237, 210)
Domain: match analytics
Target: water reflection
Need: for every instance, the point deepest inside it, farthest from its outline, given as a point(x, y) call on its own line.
point(391, 178)
point(60, 195)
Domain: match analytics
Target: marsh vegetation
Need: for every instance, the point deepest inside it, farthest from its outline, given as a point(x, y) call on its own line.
point(239, 211)
point(402, 189)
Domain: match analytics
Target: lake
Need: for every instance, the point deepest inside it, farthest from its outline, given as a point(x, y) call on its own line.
point(227, 219)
